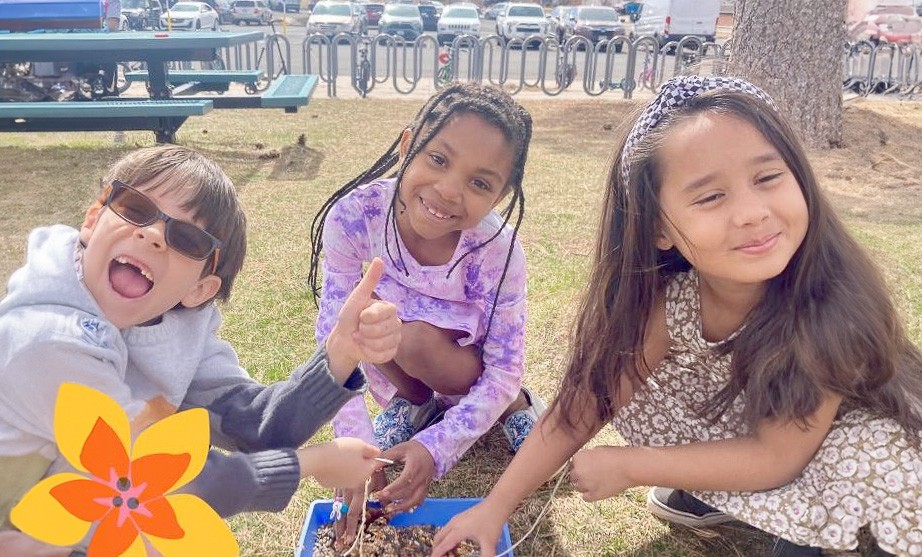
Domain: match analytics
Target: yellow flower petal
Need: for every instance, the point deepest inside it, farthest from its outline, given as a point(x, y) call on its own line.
point(185, 432)
point(137, 549)
point(206, 532)
point(75, 414)
point(41, 516)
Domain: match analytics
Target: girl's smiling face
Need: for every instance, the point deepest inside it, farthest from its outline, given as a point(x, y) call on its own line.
point(451, 184)
point(729, 202)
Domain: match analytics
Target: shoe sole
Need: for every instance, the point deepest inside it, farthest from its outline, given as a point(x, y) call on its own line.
point(690, 520)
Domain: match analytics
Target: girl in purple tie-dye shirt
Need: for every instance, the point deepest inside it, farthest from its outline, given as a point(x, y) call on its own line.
point(455, 271)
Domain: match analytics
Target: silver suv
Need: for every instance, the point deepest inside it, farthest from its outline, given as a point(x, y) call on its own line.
point(250, 11)
point(518, 21)
point(458, 19)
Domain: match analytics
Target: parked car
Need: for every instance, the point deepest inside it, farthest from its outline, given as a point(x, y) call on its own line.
point(190, 15)
point(889, 24)
point(494, 10)
point(223, 7)
point(519, 21)
point(401, 20)
point(373, 12)
point(430, 16)
point(142, 14)
point(358, 10)
point(672, 20)
point(250, 11)
point(331, 18)
point(596, 23)
point(291, 6)
point(557, 21)
point(458, 19)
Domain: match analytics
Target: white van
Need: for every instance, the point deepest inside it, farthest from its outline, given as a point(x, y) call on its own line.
point(670, 20)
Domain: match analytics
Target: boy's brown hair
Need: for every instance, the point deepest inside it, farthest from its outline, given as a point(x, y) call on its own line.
point(207, 193)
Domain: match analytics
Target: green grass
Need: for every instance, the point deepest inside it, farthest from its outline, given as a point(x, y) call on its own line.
point(50, 178)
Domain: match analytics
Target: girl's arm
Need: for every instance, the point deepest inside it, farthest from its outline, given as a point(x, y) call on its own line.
point(545, 450)
point(503, 354)
point(772, 456)
point(344, 254)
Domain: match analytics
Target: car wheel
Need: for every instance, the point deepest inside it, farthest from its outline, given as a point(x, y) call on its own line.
point(214, 25)
point(198, 23)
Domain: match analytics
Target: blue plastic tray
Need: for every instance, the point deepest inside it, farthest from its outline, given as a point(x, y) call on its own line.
point(436, 512)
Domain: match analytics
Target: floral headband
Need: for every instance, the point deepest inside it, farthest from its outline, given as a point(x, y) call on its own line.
point(676, 93)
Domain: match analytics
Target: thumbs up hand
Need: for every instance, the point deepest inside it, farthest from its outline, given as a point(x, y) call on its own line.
point(367, 330)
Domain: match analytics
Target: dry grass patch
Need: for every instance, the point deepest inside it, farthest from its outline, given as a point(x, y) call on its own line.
point(285, 166)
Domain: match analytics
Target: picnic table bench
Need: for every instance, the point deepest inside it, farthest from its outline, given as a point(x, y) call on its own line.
point(288, 91)
point(191, 81)
point(163, 117)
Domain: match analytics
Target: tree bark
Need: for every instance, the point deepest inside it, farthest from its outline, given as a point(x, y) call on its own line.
point(793, 50)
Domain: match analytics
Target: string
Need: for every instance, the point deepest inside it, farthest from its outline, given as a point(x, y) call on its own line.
point(562, 471)
point(360, 534)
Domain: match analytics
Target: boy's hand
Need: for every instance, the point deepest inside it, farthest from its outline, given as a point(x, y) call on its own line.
point(343, 462)
point(367, 330)
point(345, 529)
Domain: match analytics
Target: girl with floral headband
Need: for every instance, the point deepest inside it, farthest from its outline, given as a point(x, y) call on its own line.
point(738, 338)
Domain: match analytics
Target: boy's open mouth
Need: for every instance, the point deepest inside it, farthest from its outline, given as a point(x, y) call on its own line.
point(128, 279)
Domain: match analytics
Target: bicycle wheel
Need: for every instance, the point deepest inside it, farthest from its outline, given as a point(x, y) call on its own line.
point(444, 76)
point(363, 78)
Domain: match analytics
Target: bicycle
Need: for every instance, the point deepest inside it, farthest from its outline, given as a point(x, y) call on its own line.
point(361, 78)
point(253, 88)
point(566, 71)
point(446, 71)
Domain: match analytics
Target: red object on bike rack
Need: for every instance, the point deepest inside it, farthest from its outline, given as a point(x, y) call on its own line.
point(444, 57)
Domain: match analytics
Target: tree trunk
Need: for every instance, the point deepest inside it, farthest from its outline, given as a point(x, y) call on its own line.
point(793, 49)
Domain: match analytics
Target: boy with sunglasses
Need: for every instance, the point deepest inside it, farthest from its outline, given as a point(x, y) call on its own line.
point(125, 305)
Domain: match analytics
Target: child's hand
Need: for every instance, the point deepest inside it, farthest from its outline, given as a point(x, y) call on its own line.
point(22, 545)
point(412, 486)
point(343, 462)
point(481, 524)
point(367, 330)
point(346, 528)
point(600, 473)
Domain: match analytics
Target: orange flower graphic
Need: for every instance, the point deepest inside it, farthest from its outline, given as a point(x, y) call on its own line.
point(126, 490)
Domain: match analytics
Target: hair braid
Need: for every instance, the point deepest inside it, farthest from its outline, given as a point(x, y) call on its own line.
point(496, 108)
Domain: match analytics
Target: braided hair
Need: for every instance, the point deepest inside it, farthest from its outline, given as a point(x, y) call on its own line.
point(496, 108)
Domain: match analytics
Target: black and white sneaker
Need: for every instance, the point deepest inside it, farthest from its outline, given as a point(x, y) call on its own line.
point(677, 506)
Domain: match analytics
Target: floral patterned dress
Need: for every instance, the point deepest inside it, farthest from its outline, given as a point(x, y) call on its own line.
point(865, 473)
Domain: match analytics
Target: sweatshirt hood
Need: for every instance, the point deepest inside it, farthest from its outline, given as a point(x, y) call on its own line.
point(43, 280)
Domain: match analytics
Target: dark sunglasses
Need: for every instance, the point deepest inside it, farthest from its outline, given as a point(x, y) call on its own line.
point(183, 236)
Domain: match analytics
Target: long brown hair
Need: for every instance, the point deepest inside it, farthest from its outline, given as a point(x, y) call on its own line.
point(825, 323)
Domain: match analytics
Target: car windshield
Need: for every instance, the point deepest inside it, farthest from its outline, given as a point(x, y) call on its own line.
point(460, 13)
point(132, 4)
point(184, 8)
point(401, 10)
point(243, 4)
point(526, 11)
point(332, 9)
point(598, 14)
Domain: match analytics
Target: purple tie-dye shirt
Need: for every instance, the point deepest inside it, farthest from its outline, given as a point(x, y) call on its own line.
point(461, 300)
